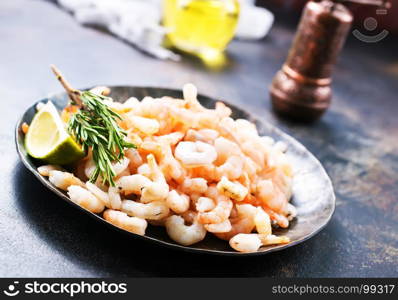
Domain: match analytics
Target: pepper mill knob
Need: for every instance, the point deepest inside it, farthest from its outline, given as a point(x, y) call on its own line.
point(301, 89)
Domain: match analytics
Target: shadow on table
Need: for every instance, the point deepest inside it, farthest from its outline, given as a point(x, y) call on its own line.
point(106, 252)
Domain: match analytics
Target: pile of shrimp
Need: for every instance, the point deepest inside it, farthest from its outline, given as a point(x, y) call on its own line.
point(195, 171)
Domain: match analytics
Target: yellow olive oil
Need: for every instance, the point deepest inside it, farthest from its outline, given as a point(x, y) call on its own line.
point(202, 27)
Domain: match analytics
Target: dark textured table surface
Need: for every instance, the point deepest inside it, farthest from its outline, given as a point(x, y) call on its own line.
point(357, 142)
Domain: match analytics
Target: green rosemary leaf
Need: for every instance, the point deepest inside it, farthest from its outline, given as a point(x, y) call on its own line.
point(95, 127)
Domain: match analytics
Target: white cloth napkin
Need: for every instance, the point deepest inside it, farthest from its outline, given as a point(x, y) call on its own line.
point(138, 21)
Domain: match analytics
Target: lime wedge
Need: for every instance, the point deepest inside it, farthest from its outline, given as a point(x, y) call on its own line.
point(48, 140)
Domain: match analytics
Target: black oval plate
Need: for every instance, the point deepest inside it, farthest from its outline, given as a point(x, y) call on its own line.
point(313, 193)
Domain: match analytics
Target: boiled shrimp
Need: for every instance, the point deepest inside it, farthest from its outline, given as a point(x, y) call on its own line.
point(220, 212)
point(271, 239)
point(252, 242)
point(179, 203)
point(63, 180)
point(145, 125)
point(122, 220)
point(194, 185)
point(115, 201)
point(232, 168)
point(225, 149)
point(120, 166)
point(233, 190)
point(242, 223)
point(244, 242)
point(184, 234)
point(204, 204)
point(202, 135)
point(262, 222)
point(158, 189)
point(271, 196)
point(195, 153)
point(134, 158)
point(45, 169)
point(99, 193)
point(155, 210)
point(85, 199)
point(132, 184)
point(219, 227)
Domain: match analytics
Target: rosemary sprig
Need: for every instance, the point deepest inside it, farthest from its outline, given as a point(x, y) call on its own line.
point(95, 127)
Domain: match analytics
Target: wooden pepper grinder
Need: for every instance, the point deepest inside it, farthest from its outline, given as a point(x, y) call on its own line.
point(301, 89)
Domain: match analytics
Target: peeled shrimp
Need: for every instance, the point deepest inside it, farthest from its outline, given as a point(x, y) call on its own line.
point(133, 137)
point(45, 170)
point(279, 219)
point(233, 190)
point(170, 139)
point(263, 222)
point(85, 199)
point(242, 223)
point(207, 172)
point(195, 153)
point(225, 149)
point(135, 159)
point(184, 234)
point(89, 167)
point(158, 189)
point(190, 96)
point(178, 203)
point(97, 192)
point(162, 148)
point(271, 239)
point(203, 135)
point(121, 166)
point(156, 173)
point(222, 110)
point(144, 170)
point(271, 196)
point(101, 90)
point(291, 211)
point(220, 227)
point(132, 184)
point(245, 242)
point(194, 185)
point(155, 210)
point(145, 125)
point(118, 167)
point(204, 204)
point(115, 200)
point(195, 197)
point(220, 212)
point(171, 166)
point(63, 180)
point(122, 220)
point(252, 150)
point(232, 168)
point(252, 242)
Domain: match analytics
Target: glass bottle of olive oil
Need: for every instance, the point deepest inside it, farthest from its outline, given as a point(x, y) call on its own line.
point(201, 27)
